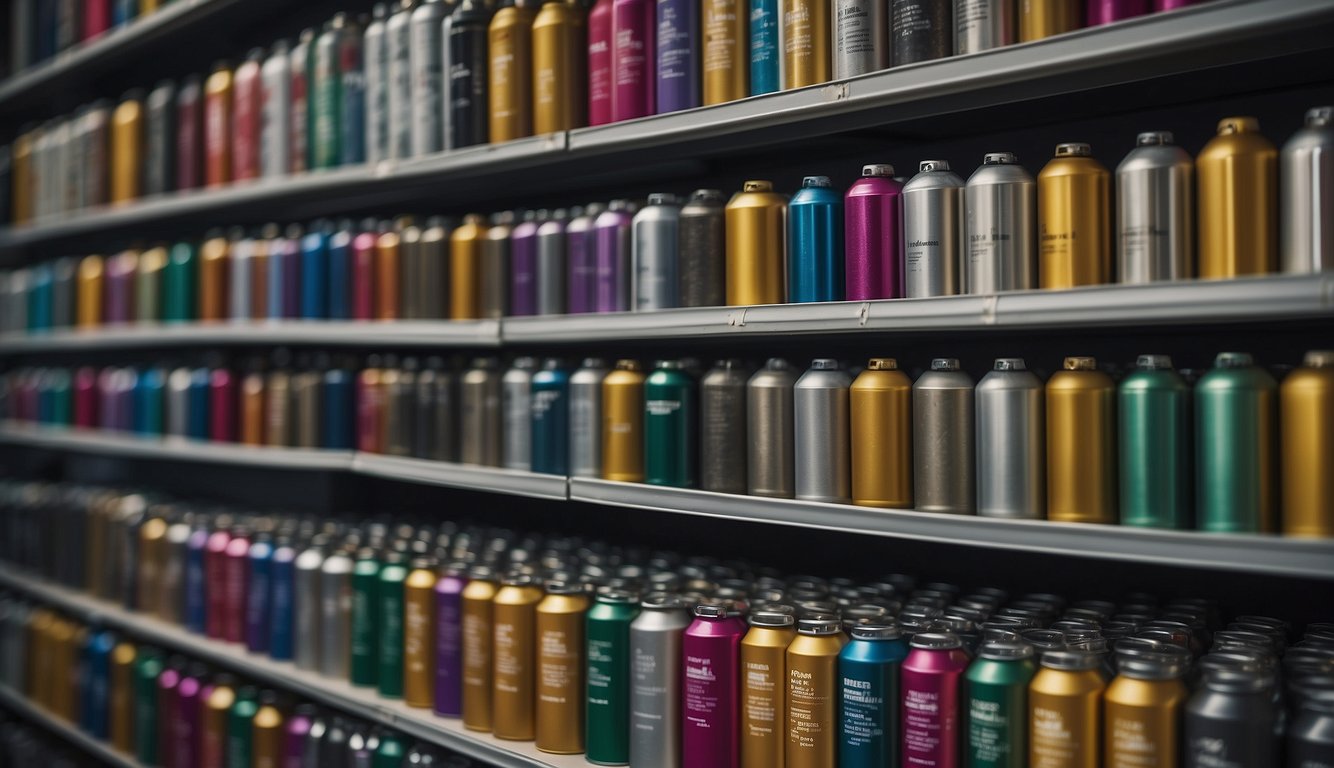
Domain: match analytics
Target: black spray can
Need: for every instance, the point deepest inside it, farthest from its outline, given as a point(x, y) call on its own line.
point(722, 427)
point(920, 30)
point(468, 66)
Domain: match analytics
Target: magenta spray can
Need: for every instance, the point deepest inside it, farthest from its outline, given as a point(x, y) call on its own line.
point(236, 581)
point(611, 246)
point(184, 723)
point(599, 63)
point(449, 643)
point(190, 134)
point(222, 406)
point(523, 265)
point(1167, 5)
point(215, 583)
point(931, 677)
point(1107, 11)
point(632, 59)
point(85, 398)
point(873, 235)
point(167, 683)
point(709, 722)
point(294, 738)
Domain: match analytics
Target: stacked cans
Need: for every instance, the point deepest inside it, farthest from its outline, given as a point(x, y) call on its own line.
point(39, 31)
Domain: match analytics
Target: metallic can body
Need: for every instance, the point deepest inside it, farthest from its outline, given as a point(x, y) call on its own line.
point(770, 444)
point(398, 82)
point(1073, 211)
point(478, 613)
point(812, 687)
point(656, 670)
point(881, 436)
point(1011, 450)
point(1306, 407)
point(1099, 12)
point(314, 274)
point(246, 120)
point(388, 276)
point(389, 613)
point(581, 261)
point(677, 48)
point(943, 450)
point(127, 151)
point(710, 673)
point(623, 423)
point(449, 644)
point(514, 657)
point(999, 210)
point(363, 645)
point(375, 53)
point(212, 291)
point(351, 98)
point(1237, 178)
point(90, 290)
point(1232, 722)
point(874, 235)
point(725, 54)
point(1142, 722)
point(869, 690)
point(426, 66)
point(670, 425)
point(326, 90)
point(821, 433)
point(607, 735)
point(585, 415)
point(419, 635)
point(1235, 448)
point(1155, 211)
point(656, 254)
point(763, 730)
point(1044, 18)
point(1081, 444)
point(612, 280)
point(1154, 413)
point(995, 698)
point(479, 400)
point(703, 248)
point(861, 37)
point(931, 680)
point(510, 86)
point(933, 231)
point(1306, 175)
point(159, 140)
point(468, 70)
point(551, 263)
point(516, 405)
point(804, 36)
point(755, 227)
point(218, 125)
point(722, 428)
point(335, 615)
point(980, 25)
point(766, 50)
point(1065, 712)
point(300, 91)
point(523, 284)
point(493, 277)
point(437, 408)
point(147, 286)
point(599, 63)
point(815, 243)
point(275, 113)
point(632, 59)
point(550, 414)
point(560, 673)
point(465, 268)
point(190, 134)
point(560, 61)
point(922, 30)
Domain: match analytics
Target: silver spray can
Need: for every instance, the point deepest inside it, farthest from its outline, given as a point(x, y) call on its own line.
point(769, 443)
point(821, 433)
point(336, 615)
point(586, 418)
point(178, 403)
point(95, 154)
point(1011, 448)
point(159, 141)
point(517, 398)
point(398, 43)
point(306, 623)
point(1155, 225)
point(495, 278)
point(861, 37)
point(275, 113)
point(426, 62)
point(942, 423)
point(1000, 201)
point(1306, 195)
point(980, 25)
point(299, 92)
point(722, 427)
point(241, 259)
point(655, 253)
point(437, 413)
point(703, 250)
point(171, 604)
point(479, 401)
point(551, 264)
point(375, 56)
point(655, 681)
point(933, 231)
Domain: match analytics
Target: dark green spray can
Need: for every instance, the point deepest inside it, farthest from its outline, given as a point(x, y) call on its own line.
point(996, 705)
point(608, 681)
point(390, 752)
point(390, 615)
point(1155, 445)
point(1235, 448)
point(326, 88)
point(669, 426)
point(180, 283)
point(241, 727)
point(364, 665)
point(147, 666)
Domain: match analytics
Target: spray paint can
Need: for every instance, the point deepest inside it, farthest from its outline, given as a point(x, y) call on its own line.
point(352, 98)
point(1306, 408)
point(550, 436)
point(1154, 210)
point(1236, 174)
point(326, 91)
point(585, 415)
point(426, 65)
point(1153, 408)
point(389, 614)
point(996, 700)
point(632, 59)
point(551, 265)
point(468, 68)
point(812, 692)
point(922, 30)
point(478, 613)
point(465, 267)
point(1232, 718)
point(1065, 711)
point(821, 433)
point(980, 25)
point(524, 285)
point(710, 656)
point(363, 663)
point(869, 694)
point(607, 737)
point(880, 406)
point(388, 274)
point(302, 100)
point(725, 56)
point(375, 51)
point(861, 37)
point(480, 397)
point(510, 87)
point(398, 79)
point(247, 108)
point(1235, 447)
point(702, 252)
point(89, 289)
point(943, 451)
point(240, 727)
point(770, 444)
point(932, 676)
point(219, 698)
point(766, 50)
point(282, 600)
point(514, 656)
point(335, 614)
point(1011, 426)
point(258, 594)
point(600, 83)
point(656, 253)
point(612, 236)
point(804, 38)
point(815, 242)
point(449, 642)
point(275, 116)
point(118, 305)
point(419, 624)
point(763, 659)
point(677, 47)
point(559, 711)
point(722, 442)
point(1081, 444)
point(933, 231)
point(670, 423)
point(306, 630)
point(495, 266)
point(1307, 177)
point(437, 409)
point(560, 61)
point(1043, 18)
point(516, 391)
point(656, 678)
point(1073, 208)
point(127, 149)
point(1141, 724)
point(754, 226)
point(190, 134)
point(874, 235)
point(623, 423)
point(581, 260)
point(219, 122)
point(1099, 12)
point(999, 204)
point(159, 140)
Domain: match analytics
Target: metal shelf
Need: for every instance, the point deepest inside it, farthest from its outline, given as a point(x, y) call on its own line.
point(359, 702)
point(1271, 555)
point(12, 700)
point(465, 476)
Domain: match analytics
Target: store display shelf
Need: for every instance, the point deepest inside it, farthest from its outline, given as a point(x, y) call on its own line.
point(17, 703)
point(1272, 555)
point(464, 476)
point(359, 702)
point(332, 333)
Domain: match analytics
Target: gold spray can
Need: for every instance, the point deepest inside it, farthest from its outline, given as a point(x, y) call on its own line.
point(419, 634)
point(560, 58)
point(152, 556)
point(127, 149)
point(213, 720)
point(465, 268)
point(1081, 444)
point(1074, 213)
point(213, 258)
point(1306, 408)
point(812, 693)
point(1237, 175)
point(1065, 711)
point(726, 51)
point(560, 668)
point(514, 658)
point(478, 611)
point(388, 288)
point(39, 652)
point(278, 421)
point(148, 285)
point(1143, 704)
point(510, 90)
point(120, 698)
point(218, 126)
point(22, 178)
point(881, 401)
point(805, 39)
point(763, 658)
point(755, 222)
point(1044, 18)
point(63, 661)
point(90, 288)
point(267, 732)
point(623, 423)
point(252, 408)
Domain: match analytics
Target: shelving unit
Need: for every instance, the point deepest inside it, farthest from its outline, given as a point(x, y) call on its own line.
point(463, 476)
point(14, 701)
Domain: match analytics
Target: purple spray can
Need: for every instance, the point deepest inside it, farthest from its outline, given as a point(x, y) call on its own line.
point(294, 740)
point(523, 265)
point(709, 722)
point(632, 59)
point(611, 239)
point(931, 676)
point(873, 235)
point(581, 260)
point(1107, 11)
point(678, 50)
point(449, 642)
point(184, 724)
point(118, 302)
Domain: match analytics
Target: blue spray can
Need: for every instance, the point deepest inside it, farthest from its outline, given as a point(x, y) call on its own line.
point(868, 671)
point(282, 576)
point(97, 684)
point(148, 394)
point(196, 404)
point(340, 272)
point(259, 594)
point(337, 397)
point(315, 273)
point(765, 54)
point(815, 242)
point(551, 419)
point(195, 594)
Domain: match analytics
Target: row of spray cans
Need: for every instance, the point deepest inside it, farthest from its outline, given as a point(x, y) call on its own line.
point(40, 30)
point(166, 709)
point(651, 660)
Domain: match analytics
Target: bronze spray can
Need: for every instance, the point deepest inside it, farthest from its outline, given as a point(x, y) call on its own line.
point(419, 634)
point(218, 126)
point(90, 288)
point(1237, 178)
point(1065, 711)
point(623, 423)
point(882, 465)
point(1044, 18)
point(478, 613)
point(127, 148)
point(812, 693)
point(252, 406)
point(755, 222)
point(152, 556)
point(388, 290)
point(267, 733)
point(560, 668)
point(120, 702)
point(1306, 429)
point(465, 268)
point(213, 268)
point(560, 64)
point(1143, 705)
point(510, 88)
point(1074, 214)
point(805, 35)
point(514, 658)
point(763, 658)
point(1081, 444)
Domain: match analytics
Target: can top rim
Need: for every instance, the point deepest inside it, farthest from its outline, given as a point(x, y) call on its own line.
point(757, 185)
point(1154, 138)
point(1074, 149)
point(878, 170)
point(1234, 360)
point(882, 364)
point(1010, 364)
point(1319, 358)
point(819, 625)
point(771, 618)
point(1072, 660)
point(662, 601)
point(876, 631)
point(816, 182)
point(1153, 363)
point(1000, 158)
point(706, 196)
point(1241, 124)
point(1005, 650)
point(1319, 117)
point(936, 641)
point(931, 166)
point(1080, 364)
point(824, 364)
point(662, 198)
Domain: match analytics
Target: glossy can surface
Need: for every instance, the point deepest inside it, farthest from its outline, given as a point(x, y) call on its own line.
point(656, 253)
point(632, 43)
point(449, 643)
point(709, 678)
point(560, 671)
point(861, 37)
point(550, 414)
point(1306, 197)
point(560, 60)
point(656, 668)
point(1081, 444)
point(510, 85)
point(1098, 12)
point(551, 261)
point(1231, 720)
point(516, 405)
point(880, 406)
point(874, 210)
point(1306, 407)
point(726, 60)
point(1142, 722)
point(815, 242)
point(1065, 715)
point(821, 433)
point(943, 450)
point(607, 738)
point(478, 613)
point(1044, 18)
point(1073, 211)
point(1237, 179)
point(933, 231)
point(426, 63)
point(127, 149)
point(419, 626)
point(670, 426)
point(1235, 448)
point(465, 268)
point(995, 700)
point(247, 109)
point(1155, 211)
point(493, 275)
point(514, 659)
point(376, 71)
point(722, 428)
point(623, 423)
point(159, 140)
point(1154, 440)
point(811, 694)
point(1000, 222)
point(770, 444)
point(980, 25)
point(275, 112)
point(612, 277)
point(805, 38)
point(600, 82)
point(932, 682)
point(766, 54)
point(585, 414)
point(869, 695)
point(218, 124)
point(480, 398)
point(755, 226)
point(468, 71)
point(677, 49)
point(1011, 448)
point(922, 30)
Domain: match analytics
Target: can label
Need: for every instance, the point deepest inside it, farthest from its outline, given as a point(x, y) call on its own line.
point(861, 708)
point(427, 74)
point(599, 68)
point(400, 89)
point(297, 146)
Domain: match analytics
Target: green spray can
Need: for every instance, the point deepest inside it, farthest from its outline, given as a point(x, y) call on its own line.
point(669, 426)
point(996, 702)
point(607, 629)
point(390, 613)
point(180, 284)
point(390, 752)
point(1153, 404)
point(326, 88)
point(1235, 449)
point(241, 727)
point(364, 666)
point(147, 666)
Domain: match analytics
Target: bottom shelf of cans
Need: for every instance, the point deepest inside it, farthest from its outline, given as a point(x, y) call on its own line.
point(53, 742)
point(531, 650)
